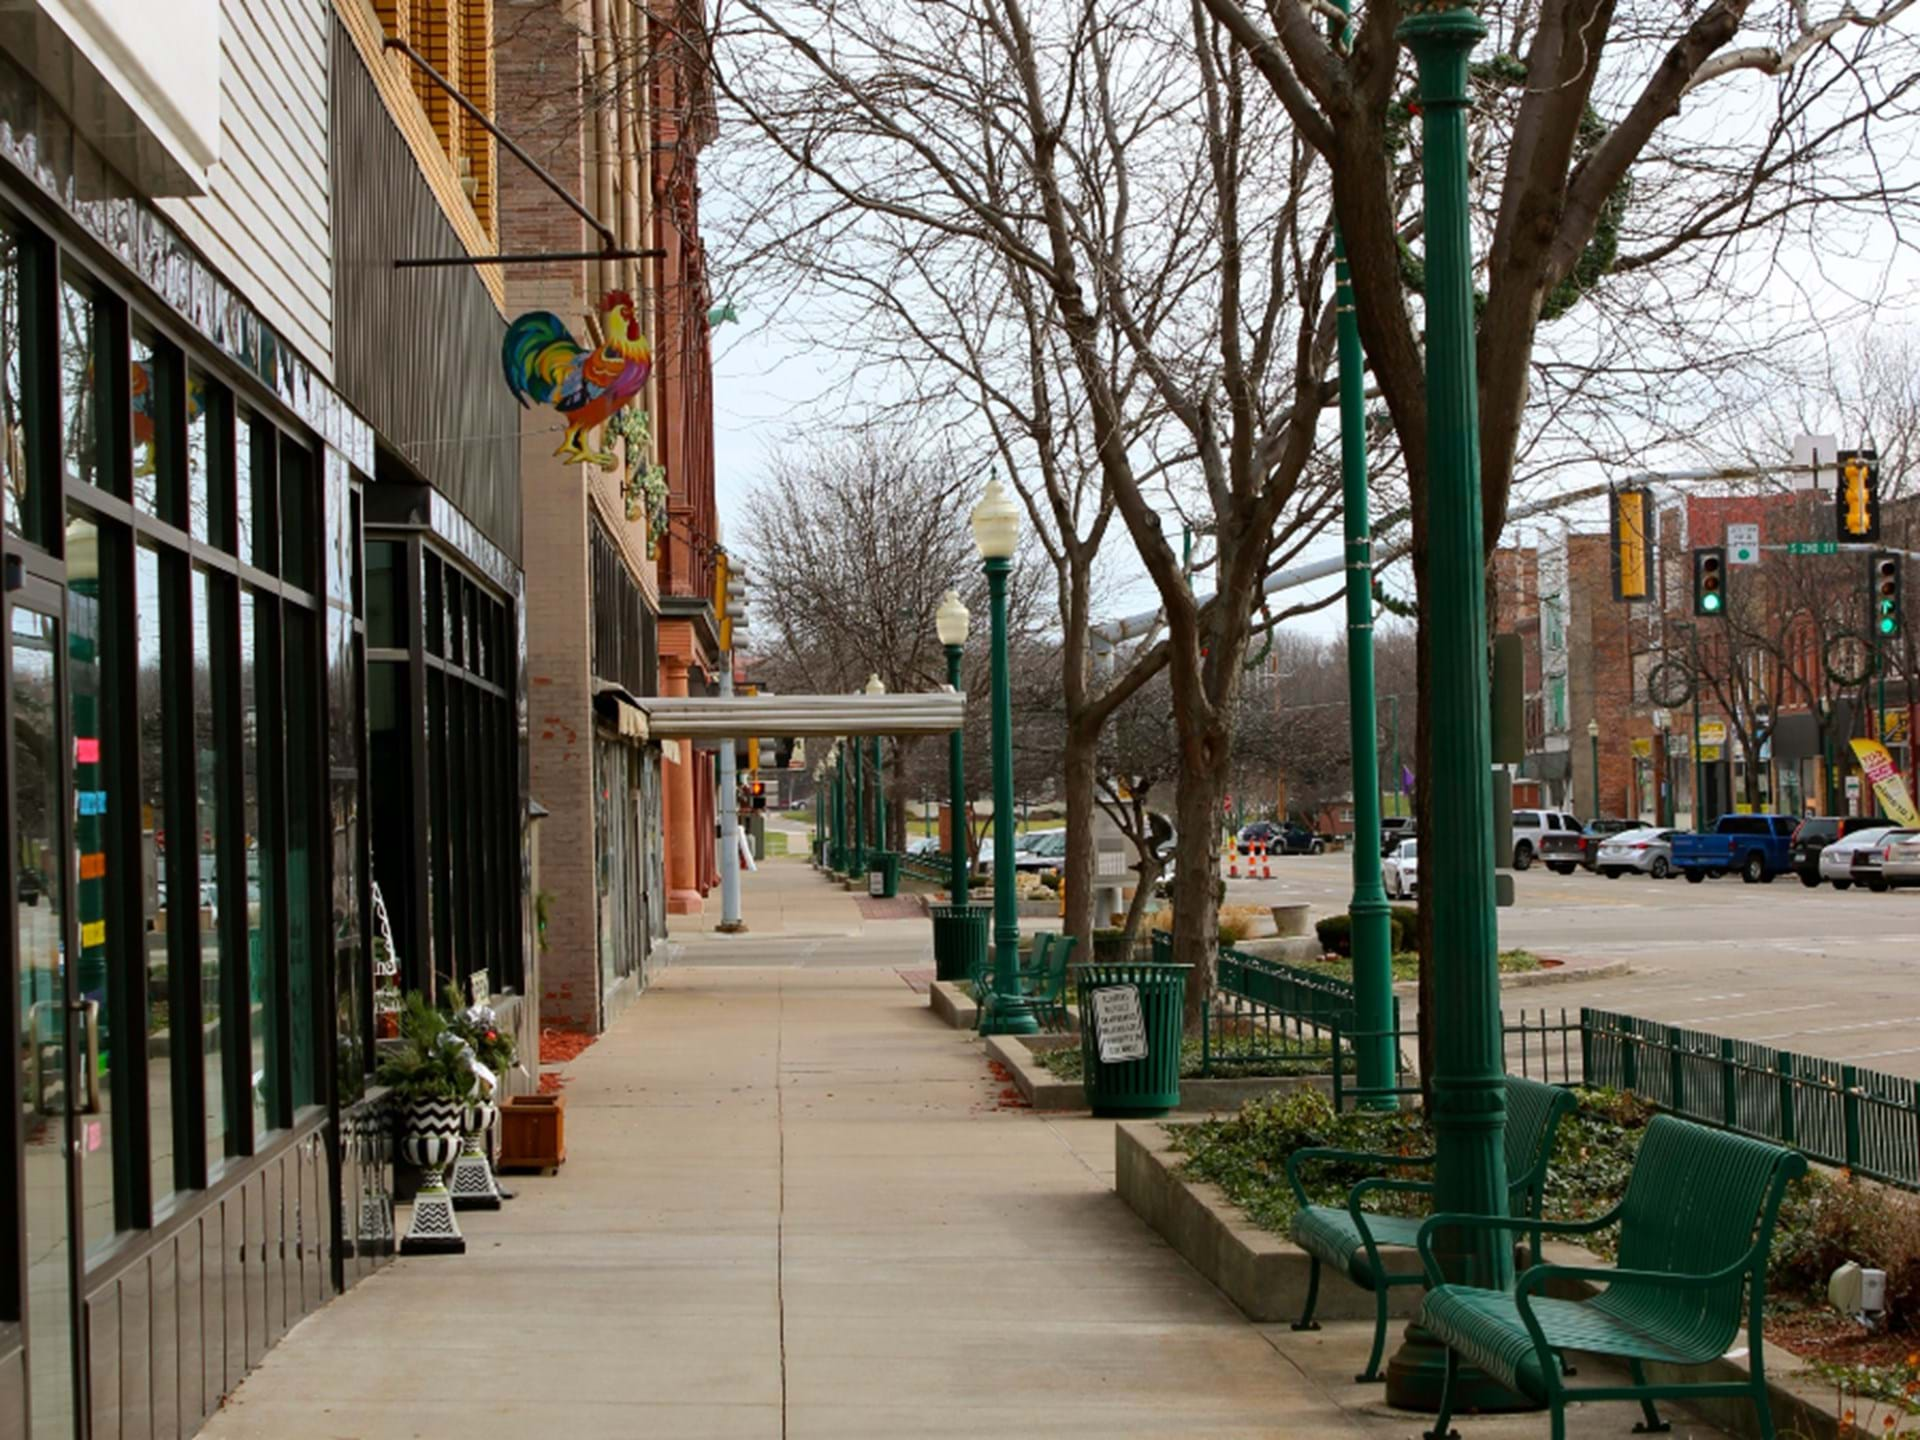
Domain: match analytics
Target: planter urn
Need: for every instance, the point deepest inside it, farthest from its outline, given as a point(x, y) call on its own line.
point(430, 1138)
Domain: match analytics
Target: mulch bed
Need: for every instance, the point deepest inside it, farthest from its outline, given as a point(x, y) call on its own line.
point(558, 1047)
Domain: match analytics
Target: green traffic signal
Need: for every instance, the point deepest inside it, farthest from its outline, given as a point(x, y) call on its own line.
point(1710, 603)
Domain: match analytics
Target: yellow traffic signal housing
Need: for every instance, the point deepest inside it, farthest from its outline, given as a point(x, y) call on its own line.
point(1630, 515)
point(1856, 501)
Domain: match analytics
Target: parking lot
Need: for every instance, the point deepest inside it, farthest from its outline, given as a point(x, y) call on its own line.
point(1813, 971)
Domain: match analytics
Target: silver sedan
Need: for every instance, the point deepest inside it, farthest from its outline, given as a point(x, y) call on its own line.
point(1902, 863)
point(1646, 851)
point(1400, 871)
point(1836, 861)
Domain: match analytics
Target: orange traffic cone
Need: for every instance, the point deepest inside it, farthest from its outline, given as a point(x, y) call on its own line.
point(1266, 861)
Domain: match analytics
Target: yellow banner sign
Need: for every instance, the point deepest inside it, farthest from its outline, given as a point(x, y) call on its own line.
point(1711, 754)
point(1893, 726)
point(1642, 747)
point(1713, 732)
point(1888, 783)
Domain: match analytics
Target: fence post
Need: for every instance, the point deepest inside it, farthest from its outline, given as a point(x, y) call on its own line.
point(1676, 1071)
point(1629, 1058)
point(1788, 1126)
point(1850, 1109)
point(1729, 1087)
point(1206, 1037)
point(1337, 1078)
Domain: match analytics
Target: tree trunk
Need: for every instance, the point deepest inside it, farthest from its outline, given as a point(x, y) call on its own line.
point(1081, 743)
point(1196, 882)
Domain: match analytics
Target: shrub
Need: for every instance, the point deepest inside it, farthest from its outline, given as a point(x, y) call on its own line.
point(1336, 934)
point(1336, 931)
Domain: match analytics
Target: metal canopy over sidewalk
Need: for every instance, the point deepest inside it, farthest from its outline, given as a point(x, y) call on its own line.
point(717, 717)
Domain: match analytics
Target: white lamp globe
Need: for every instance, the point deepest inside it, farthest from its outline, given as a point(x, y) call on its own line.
point(996, 523)
point(875, 685)
point(950, 620)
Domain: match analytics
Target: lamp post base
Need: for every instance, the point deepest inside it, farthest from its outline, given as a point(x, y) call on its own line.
point(1417, 1374)
point(1009, 1015)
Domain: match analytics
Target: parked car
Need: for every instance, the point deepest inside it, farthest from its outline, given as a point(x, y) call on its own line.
point(1646, 851)
point(1836, 860)
point(1531, 827)
point(1870, 861)
point(1401, 870)
point(1394, 829)
point(1815, 833)
point(1900, 859)
point(1281, 837)
point(1758, 847)
point(1040, 850)
point(923, 845)
point(1562, 850)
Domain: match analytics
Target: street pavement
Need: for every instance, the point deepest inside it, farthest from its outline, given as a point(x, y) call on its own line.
point(1817, 972)
point(796, 1207)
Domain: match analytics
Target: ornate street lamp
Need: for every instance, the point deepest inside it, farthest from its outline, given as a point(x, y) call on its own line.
point(875, 686)
point(996, 531)
point(950, 623)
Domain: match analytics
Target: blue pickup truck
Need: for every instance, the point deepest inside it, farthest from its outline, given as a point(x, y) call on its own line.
point(1757, 847)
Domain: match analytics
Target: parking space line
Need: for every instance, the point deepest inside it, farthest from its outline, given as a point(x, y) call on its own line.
point(1843, 1029)
point(1752, 1014)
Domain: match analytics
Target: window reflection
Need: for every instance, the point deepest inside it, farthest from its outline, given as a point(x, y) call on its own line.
point(13, 410)
point(262, 982)
point(206, 772)
point(153, 862)
point(80, 373)
point(199, 477)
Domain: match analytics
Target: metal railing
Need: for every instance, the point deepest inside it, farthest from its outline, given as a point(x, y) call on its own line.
point(1833, 1113)
point(1268, 1010)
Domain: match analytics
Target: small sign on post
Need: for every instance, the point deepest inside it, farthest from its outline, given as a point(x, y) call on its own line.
point(1117, 1021)
point(1743, 544)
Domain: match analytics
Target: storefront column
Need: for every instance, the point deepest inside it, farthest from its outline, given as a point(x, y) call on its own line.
point(683, 891)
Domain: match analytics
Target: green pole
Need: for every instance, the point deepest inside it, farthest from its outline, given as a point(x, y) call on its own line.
point(1468, 1110)
point(844, 861)
point(879, 799)
point(1012, 1015)
point(1371, 919)
point(858, 868)
point(1880, 708)
point(956, 792)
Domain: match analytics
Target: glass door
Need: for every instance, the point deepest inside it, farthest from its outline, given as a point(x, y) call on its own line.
point(47, 1037)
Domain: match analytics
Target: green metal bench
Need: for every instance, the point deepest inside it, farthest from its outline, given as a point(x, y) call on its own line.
point(1046, 980)
point(1350, 1238)
point(1696, 1226)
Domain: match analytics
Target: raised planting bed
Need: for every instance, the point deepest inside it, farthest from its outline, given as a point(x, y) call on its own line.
point(1819, 1365)
point(1028, 1060)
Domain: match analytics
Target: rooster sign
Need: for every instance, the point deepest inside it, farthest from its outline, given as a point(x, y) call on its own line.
point(588, 387)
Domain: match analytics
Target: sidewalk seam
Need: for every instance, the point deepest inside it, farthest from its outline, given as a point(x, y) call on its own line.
point(780, 1222)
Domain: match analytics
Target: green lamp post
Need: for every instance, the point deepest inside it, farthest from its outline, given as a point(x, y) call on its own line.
point(1593, 739)
point(1468, 1110)
point(950, 622)
point(840, 807)
point(996, 531)
point(875, 686)
point(857, 860)
point(1372, 920)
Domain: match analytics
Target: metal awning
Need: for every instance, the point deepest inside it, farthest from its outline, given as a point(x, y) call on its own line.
point(717, 717)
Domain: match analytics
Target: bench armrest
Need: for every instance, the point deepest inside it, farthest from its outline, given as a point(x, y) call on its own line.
point(1379, 1182)
point(1537, 1277)
point(1326, 1154)
point(1423, 1241)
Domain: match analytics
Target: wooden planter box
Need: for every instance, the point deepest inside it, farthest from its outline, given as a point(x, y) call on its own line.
point(533, 1132)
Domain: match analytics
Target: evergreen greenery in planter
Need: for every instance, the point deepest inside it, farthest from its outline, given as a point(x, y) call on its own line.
point(431, 1061)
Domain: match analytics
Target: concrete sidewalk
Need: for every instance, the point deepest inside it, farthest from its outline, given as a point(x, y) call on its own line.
point(795, 1208)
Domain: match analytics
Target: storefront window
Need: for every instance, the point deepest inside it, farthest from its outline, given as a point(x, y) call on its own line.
point(93, 606)
point(297, 528)
point(155, 373)
point(305, 843)
point(81, 369)
point(163, 1080)
point(207, 783)
point(15, 425)
point(263, 981)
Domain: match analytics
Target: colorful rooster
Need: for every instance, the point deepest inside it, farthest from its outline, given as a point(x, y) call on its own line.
point(588, 387)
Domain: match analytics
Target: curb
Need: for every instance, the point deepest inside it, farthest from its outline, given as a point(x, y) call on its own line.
point(1044, 1091)
point(950, 1004)
point(1266, 1276)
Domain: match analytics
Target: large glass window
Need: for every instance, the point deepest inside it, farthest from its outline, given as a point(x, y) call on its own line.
point(256, 759)
point(297, 525)
point(306, 851)
point(208, 779)
point(165, 1082)
point(16, 415)
point(95, 600)
point(156, 376)
point(82, 369)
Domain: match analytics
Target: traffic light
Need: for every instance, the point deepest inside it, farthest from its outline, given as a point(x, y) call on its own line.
point(1856, 500)
point(1710, 580)
point(731, 590)
point(1883, 575)
point(759, 794)
point(1628, 514)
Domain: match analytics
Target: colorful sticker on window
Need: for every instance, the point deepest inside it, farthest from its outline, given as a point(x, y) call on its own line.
point(93, 934)
point(93, 866)
point(86, 751)
point(93, 802)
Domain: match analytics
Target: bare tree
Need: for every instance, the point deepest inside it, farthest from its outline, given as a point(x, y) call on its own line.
point(1106, 166)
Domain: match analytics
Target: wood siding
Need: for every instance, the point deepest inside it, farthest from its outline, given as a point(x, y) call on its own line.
point(417, 351)
point(266, 222)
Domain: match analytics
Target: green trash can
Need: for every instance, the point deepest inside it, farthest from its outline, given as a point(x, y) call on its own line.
point(959, 940)
point(883, 874)
point(1143, 1019)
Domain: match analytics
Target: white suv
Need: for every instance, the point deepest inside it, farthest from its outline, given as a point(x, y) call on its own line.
point(1530, 825)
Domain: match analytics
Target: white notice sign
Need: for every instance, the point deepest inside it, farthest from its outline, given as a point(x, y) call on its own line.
point(1119, 1024)
point(876, 884)
point(1743, 544)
